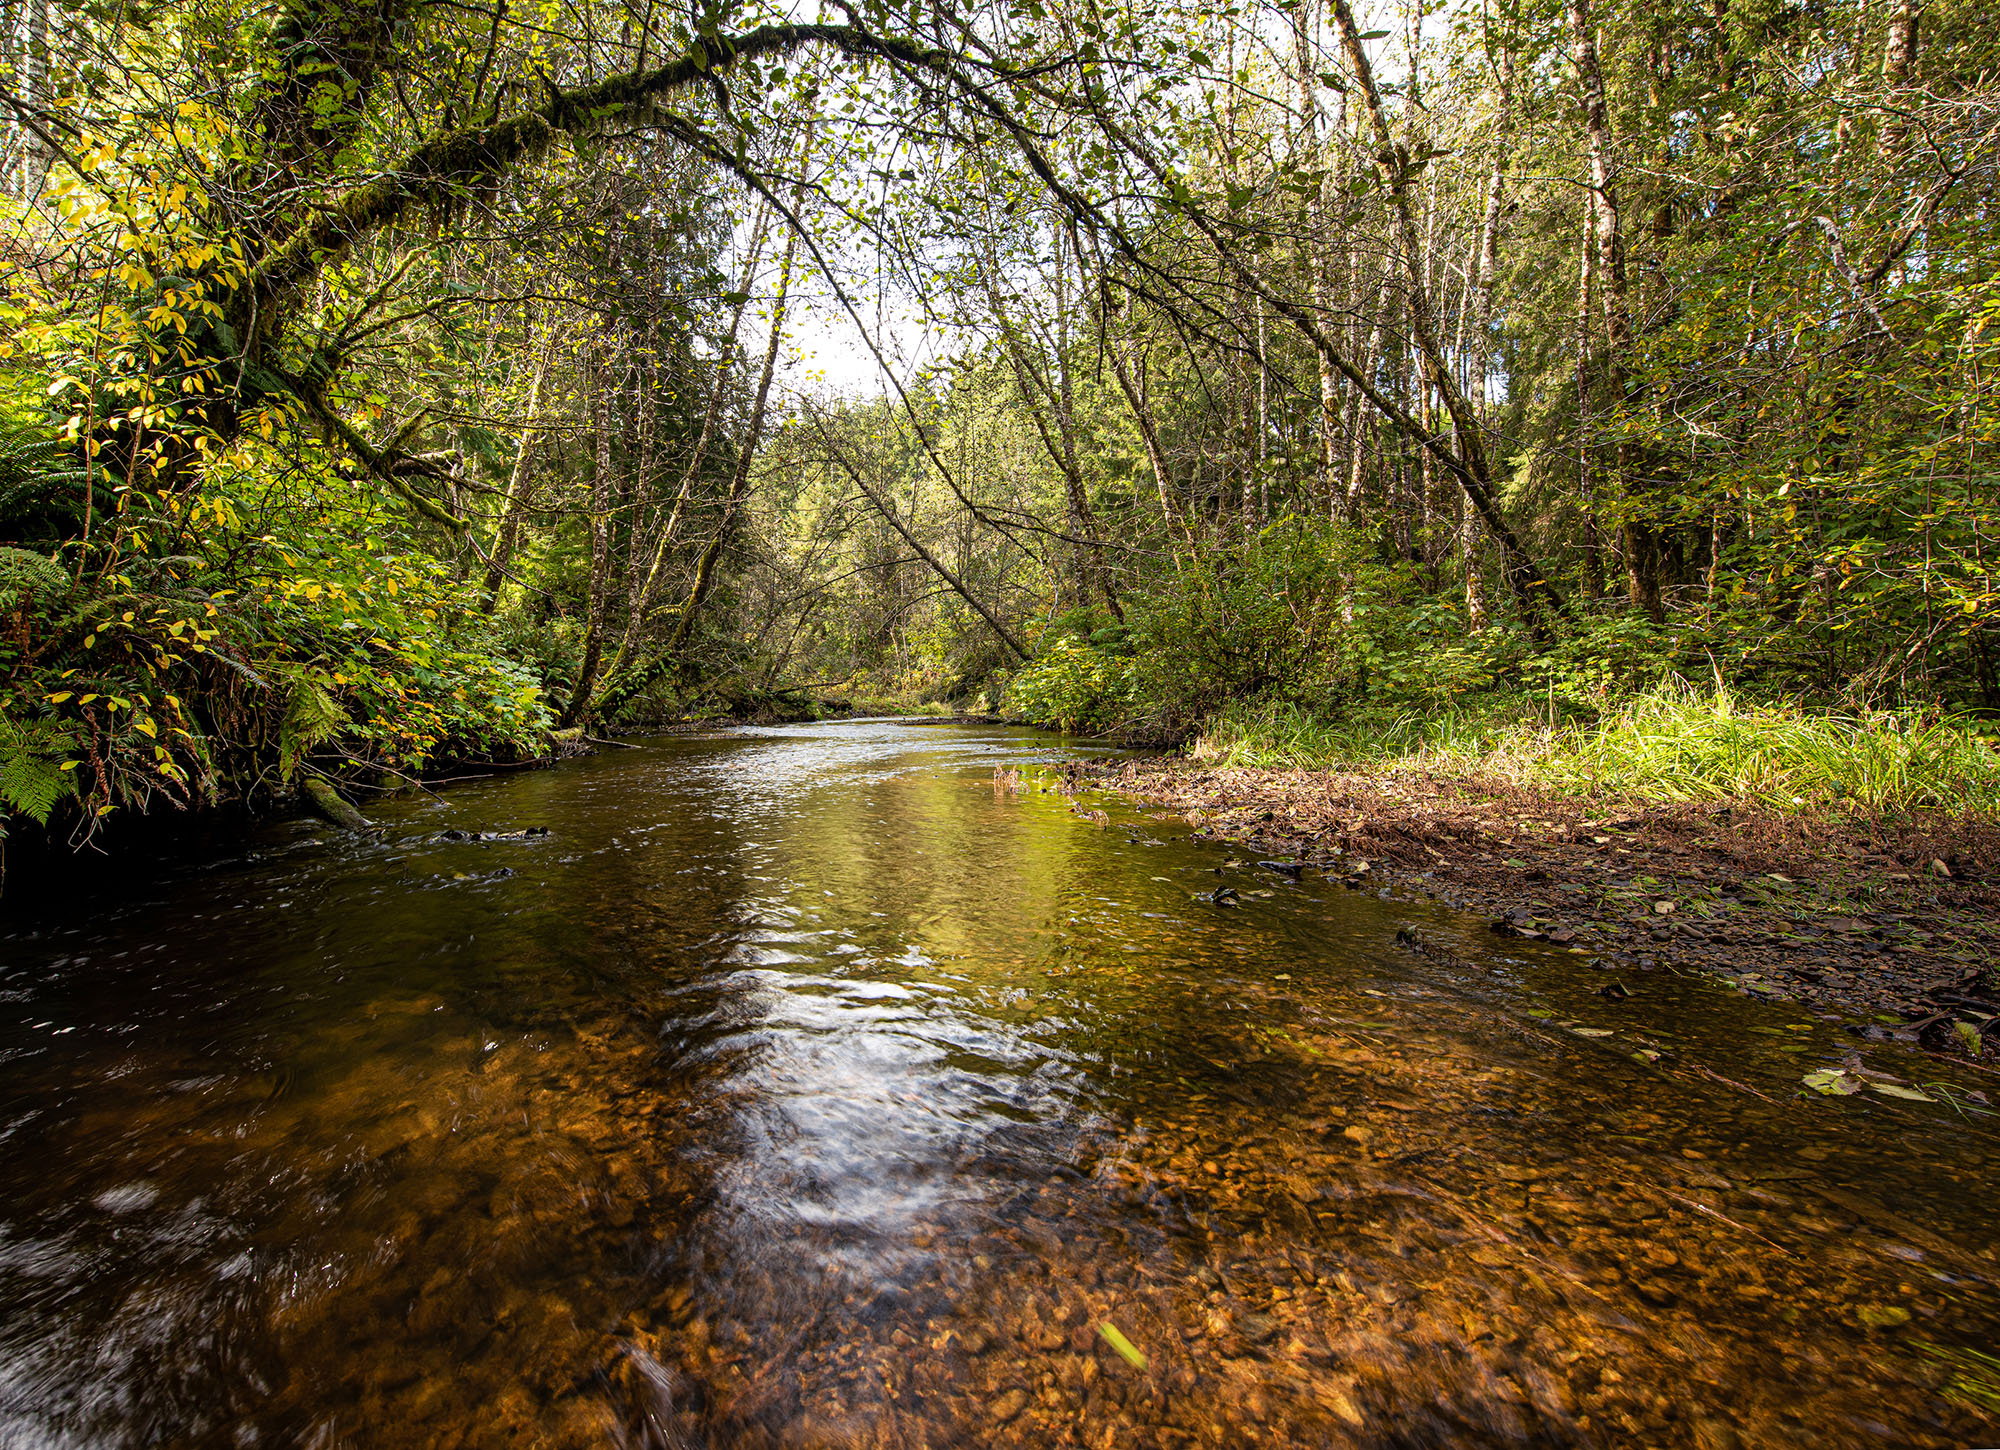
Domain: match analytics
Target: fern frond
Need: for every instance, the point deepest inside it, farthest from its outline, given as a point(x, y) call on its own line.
point(32, 778)
point(312, 718)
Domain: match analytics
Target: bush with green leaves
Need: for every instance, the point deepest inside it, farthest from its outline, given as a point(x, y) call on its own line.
point(1272, 619)
point(165, 678)
point(1073, 684)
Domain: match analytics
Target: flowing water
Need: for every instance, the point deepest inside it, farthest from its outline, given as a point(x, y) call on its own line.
point(803, 1087)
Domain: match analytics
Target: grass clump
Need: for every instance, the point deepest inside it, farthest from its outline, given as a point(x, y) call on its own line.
point(1673, 744)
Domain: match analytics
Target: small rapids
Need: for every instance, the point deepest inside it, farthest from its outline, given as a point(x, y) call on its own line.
point(808, 1087)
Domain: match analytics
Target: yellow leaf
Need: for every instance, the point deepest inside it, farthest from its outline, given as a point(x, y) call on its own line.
point(1126, 1349)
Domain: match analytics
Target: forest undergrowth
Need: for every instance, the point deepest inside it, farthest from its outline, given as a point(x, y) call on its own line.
point(1590, 397)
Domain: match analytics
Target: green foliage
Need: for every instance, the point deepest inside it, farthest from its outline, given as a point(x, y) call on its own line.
point(1270, 619)
point(36, 768)
point(1302, 618)
point(1672, 743)
point(41, 483)
point(312, 719)
point(1677, 743)
point(1073, 684)
point(1282, 735)
point(24, 573)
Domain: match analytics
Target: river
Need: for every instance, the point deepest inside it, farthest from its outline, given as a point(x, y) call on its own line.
point(810, 1087)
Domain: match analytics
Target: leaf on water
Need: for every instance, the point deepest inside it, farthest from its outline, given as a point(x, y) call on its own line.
point(1882, 1316)
point(1833, 1081)
point(1591, 1031)
point(1897, 1090)
point(1126, 1348)
point(1646, 1054)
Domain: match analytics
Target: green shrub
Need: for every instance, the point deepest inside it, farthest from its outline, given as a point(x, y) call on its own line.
point(1273, 619)
point(1073, 684)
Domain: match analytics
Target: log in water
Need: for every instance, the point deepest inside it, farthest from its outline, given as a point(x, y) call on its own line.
point(809, 1087)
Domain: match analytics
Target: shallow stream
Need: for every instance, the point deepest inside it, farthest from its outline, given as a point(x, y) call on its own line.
point(804, 1087)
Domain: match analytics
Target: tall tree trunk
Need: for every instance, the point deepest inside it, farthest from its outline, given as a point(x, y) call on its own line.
point(38, 91)
point(1142, 415)
point(1533, 591)
point(1899, 68)
point(13, 135)
point(1484, 268)
point(1588, 486)
point(746, 458)
point(1317, 235)
point(641, 604)
point(1050, 395)
point(1371, 352)
point(1640, 534)
point(520, 482)
point(600, 543)
point(1083, 519)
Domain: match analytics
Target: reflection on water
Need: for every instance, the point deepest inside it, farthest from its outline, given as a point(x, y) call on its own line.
point(801, 1088)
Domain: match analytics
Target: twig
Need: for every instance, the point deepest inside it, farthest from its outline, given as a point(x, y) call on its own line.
point(1718, 1213)
point(1732, 1082)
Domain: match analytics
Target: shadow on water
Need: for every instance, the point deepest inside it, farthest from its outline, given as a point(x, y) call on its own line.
point(803, 1087)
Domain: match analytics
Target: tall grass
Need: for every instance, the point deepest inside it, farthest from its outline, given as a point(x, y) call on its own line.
point(1283, 736)
point(1677, 743)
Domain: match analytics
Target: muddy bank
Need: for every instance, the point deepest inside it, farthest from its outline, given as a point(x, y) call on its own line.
point(1886, 920)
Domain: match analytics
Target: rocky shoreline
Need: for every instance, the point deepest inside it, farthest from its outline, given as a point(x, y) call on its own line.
point(1896, 922)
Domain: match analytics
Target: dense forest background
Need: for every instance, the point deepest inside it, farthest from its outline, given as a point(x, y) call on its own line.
point(395, 384)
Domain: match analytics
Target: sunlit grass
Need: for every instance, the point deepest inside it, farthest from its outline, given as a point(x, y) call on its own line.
point(1673, 744)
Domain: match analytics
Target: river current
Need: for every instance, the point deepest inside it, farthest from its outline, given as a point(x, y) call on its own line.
point(813, 1087)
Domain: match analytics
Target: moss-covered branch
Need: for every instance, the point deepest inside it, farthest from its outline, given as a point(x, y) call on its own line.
point(444, 167)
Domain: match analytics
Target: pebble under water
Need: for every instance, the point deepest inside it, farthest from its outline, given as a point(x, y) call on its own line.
point(803, 1087)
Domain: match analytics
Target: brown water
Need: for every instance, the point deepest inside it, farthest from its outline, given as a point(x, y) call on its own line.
point(801, 1088)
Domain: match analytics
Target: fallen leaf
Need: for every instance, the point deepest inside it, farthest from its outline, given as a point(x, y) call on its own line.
point(1897, 1090)
point(1126, 1349)
point(1833, 1081)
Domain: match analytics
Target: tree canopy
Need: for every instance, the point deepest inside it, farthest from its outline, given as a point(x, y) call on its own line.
point(392, 385)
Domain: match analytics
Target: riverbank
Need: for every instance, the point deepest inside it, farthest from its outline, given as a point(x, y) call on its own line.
point(1893, 919)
